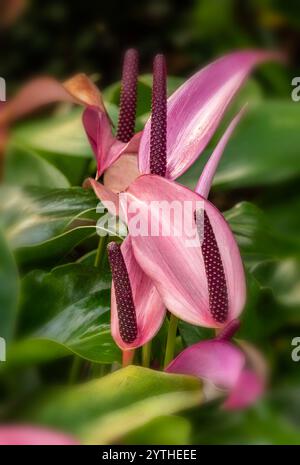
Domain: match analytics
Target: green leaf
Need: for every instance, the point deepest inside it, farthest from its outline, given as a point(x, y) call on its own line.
point(33, 215)
point(259, 425)
point(63, 135)
point(26, 352)
point(103, 411)
point(45, 224)
point(263, 150)
point(257, 239)
point(55, 249)
point(60, 140)
point(271, 257)
point(24, 167)
point(69, 306)
point(281, 209)
point(112, 93)
point(192, 334)
point(283, 277)
point(171, 430)
point(9, 290)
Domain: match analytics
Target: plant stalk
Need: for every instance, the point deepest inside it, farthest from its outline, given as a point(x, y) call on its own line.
point(171, 340)
point(75, 370)
point(127, 357)
point(146, 354)
point(100, 251)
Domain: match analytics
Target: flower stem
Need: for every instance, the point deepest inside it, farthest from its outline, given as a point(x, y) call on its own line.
point(75, 370)
point(146, 354)
point(100, 251)
point(127, 357)
point(171, 340)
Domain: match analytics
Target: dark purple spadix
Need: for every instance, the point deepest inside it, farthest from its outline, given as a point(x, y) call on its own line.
point(158, 135)
point(123, 292)
point(217, 287)
point(128, 98)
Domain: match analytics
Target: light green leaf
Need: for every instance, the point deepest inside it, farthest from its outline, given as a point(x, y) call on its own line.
point(46, 224)
point(30, 216)
point(103, 411)
point(171, 430)
point(63, 134)
point(24, 167)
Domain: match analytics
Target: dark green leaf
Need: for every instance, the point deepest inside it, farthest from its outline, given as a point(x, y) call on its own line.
point(259, 425)
point(9, 290)
point(264, 149)
point(69, 306)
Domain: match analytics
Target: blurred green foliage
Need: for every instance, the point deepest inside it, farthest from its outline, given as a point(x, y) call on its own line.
point(57, 304)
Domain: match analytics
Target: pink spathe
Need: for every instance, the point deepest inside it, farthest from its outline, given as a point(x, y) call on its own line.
point(27, 435)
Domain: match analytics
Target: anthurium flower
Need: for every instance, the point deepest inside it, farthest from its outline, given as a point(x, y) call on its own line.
point(224, 368)
point(145, 302)
point(203, 284)
point(184, 277)
point(108, 149)
point(27, 435)
point(191, 116)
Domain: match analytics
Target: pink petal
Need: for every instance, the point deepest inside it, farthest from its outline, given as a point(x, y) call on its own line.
point(123, 172)
point(45, 90)
point(109, 199)
point(129, 148)
point(106, 148)
point(17, 435)
point(218, 362)
point(248, 389)
point(172, 261)
point(150, 311)
point(98, 130)
point(196, 108)
point(207, 175)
